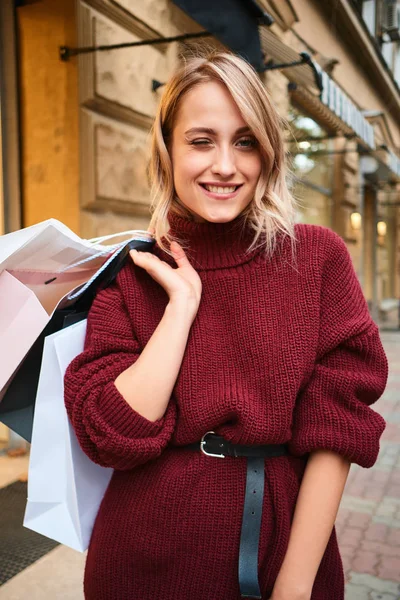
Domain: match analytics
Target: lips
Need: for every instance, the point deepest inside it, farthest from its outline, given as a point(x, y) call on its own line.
point(220, 188)
point(220, 192)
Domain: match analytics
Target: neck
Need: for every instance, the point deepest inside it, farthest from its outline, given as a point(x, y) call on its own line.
point(214, 245)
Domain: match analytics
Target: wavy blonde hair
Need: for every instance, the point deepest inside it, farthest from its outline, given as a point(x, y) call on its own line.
point(272, 209)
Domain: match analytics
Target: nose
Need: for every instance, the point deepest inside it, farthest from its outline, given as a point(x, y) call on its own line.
point(224, 162)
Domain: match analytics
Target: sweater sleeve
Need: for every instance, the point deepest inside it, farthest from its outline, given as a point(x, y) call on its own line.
point(332, 411)
point(109, 430)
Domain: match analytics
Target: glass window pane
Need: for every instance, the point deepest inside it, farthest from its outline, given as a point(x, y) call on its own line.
point(311, 162)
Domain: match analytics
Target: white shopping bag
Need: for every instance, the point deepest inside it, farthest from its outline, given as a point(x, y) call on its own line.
point(45, 271)
point(11, 242)
point(29, 258)
point(52, 265)
point(65, 487)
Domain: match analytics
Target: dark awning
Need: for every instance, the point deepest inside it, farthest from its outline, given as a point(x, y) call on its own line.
point(233, 22)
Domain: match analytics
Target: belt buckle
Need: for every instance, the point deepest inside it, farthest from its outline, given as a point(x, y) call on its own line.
point(202, 442)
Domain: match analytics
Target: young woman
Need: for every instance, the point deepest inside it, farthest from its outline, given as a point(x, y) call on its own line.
point(242, 335)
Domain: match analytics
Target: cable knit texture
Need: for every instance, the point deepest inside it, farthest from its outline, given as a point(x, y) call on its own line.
point(279, 352)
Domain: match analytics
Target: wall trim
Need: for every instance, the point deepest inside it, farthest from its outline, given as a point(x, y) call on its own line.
point(10, 181)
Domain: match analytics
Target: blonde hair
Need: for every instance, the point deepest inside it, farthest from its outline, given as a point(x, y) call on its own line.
point(272, 209)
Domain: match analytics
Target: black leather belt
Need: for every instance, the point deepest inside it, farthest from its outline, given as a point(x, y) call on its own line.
point(215, 445)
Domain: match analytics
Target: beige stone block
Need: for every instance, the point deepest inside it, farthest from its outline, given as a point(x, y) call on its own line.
point(114, 162)
point(276, 85)
point(121, 162)
point(161, 15)
point(124, 76)
point(95, 224)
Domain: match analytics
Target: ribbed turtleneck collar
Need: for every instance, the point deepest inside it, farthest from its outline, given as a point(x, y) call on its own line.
point(214, 245)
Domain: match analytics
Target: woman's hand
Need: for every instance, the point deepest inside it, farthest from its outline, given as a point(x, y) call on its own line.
point(180, 284)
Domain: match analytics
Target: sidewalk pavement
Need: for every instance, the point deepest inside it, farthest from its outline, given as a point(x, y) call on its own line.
point(368, 523)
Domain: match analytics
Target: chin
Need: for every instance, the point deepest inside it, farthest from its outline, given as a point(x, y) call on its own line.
point(224, 218)
point(216, 216)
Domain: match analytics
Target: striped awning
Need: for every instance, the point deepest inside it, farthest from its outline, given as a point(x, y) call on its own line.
point(331, 106)
point(280, 53)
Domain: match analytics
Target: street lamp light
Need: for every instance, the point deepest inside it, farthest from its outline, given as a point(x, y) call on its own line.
point(355, 220)
point(381, 228)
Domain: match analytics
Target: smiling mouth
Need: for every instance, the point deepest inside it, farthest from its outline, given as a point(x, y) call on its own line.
point(217, 189)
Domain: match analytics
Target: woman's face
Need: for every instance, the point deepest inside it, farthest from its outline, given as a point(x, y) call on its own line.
point(215, 158)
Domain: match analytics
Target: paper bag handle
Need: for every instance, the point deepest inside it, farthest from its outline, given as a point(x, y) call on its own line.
point(130, 232)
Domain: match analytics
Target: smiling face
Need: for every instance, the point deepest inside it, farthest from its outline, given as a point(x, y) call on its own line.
point(215, 158)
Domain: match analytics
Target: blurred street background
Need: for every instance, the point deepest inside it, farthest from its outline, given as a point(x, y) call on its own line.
point(74, 133)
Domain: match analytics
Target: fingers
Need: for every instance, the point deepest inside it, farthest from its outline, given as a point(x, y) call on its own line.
point(146, 259)
point(139, 256)
point(176, 249)
point(179, 255)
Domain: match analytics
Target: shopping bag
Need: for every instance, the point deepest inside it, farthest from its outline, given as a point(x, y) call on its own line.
point(41, 258)
point(38, 261)
point(21, 317)
point(19, 396)
point(65, 487)
point(11, 242)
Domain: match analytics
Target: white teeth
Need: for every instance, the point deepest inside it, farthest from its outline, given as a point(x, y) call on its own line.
point(220, 190)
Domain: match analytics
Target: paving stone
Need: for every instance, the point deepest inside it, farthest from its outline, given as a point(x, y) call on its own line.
point(346, 552)
point(356, 488)
point(395, 377)
point(361, 505)
point(395, 476)
point(389, 568)
point(374, 493)
point(386, 509)
point(377, 531)
point(366, 562)
point(392, 418)
point(351, 536)
point(393, 490)
point(387, 521)
point(387, 468)
point(393, 450)
point(380, 476)
point(356, 592)
point(388, 460)
point(380, 548)
point(361, 520)
point(383, 596)
point(394, 537)
point(394, 500)
point(374, 583)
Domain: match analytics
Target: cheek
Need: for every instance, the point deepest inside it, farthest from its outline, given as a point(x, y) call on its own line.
point(189, 166)
point(252, 167)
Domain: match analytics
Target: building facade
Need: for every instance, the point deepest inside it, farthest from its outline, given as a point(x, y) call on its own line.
point(85, 122)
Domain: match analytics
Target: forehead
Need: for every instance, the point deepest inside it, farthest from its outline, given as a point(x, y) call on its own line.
point(209, 105)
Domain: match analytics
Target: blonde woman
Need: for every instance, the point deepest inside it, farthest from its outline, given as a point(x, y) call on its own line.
point(227, 377)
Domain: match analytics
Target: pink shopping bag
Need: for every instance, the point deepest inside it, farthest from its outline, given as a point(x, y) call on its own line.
point(22, 318)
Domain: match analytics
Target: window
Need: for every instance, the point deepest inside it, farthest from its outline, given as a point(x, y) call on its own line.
point(388, 50)
point(311, 163)
point(396, 70)
point(368, 12)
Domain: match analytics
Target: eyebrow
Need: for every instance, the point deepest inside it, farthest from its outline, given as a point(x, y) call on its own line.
point(210, 131)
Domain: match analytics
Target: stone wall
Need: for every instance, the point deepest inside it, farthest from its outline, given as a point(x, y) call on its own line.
point(118, 104)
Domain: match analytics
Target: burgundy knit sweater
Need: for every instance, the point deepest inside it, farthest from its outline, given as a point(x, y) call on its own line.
point(278, 353)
